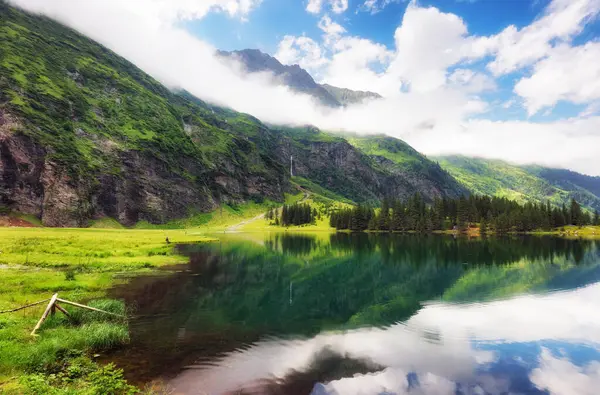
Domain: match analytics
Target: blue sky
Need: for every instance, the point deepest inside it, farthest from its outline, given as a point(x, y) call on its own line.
point(267, 24)
point(273, 19)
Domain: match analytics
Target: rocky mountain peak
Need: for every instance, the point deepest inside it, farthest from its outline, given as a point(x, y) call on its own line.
point(297, 78)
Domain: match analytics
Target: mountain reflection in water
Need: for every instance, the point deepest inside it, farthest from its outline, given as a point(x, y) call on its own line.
point(375, 314)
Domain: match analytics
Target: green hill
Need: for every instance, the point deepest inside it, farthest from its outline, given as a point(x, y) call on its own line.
point(523, 183)
point(418, 171)
point(86, 135)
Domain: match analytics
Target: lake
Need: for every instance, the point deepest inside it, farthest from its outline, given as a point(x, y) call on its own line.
point(285, 313)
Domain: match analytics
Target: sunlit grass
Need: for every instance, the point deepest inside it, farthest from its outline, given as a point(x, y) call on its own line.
point(59, 338)
point(80, 265)
point(100, 249)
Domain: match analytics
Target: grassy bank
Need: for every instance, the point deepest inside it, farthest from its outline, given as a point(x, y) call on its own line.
point(91, 249)
point(81, 265)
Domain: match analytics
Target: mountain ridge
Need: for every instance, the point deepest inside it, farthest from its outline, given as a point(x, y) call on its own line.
point(296, 78)
point(534, 183)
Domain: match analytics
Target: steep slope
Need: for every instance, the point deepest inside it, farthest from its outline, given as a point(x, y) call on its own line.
point(418, 173)
point(523, 183)
point(297, 78)
point(84, 134)
point(345, 165)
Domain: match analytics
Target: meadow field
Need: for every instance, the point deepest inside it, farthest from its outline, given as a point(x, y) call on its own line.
point(80, 265)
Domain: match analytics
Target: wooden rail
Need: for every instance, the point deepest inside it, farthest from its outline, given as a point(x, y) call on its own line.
point(53, 306)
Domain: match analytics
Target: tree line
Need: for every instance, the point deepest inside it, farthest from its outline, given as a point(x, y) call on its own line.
point(490, 213)
point(293, 215)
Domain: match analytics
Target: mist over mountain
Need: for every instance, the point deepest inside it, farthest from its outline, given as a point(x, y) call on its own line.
point(297, 79)
point(85, 134)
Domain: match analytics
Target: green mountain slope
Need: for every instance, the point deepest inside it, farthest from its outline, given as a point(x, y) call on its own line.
point(421, 173)
point(85, 134)
point(523, 183)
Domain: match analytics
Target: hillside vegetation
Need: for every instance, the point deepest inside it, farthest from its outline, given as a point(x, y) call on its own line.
point(523, 183)
point(86, 135)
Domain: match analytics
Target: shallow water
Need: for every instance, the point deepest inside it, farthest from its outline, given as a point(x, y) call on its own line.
point(371, 314)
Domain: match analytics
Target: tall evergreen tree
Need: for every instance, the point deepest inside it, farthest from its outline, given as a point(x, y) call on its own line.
point(576, 214)
point(483, 227)
point(383, 220)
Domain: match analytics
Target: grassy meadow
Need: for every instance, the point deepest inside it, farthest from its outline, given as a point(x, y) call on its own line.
point(80, 265)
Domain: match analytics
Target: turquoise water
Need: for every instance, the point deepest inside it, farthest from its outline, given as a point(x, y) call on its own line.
point(372, 314)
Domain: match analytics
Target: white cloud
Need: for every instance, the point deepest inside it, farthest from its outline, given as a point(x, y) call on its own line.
point(440, 364)
point(571, 143)
point(561, 377)
point(428, 77)
point(562, 20)
point(375, 6)
point(430, 41)
point(568, 73)
point(303, 51)
point(337, 6)
point(471, 81)
point(314, 6)
point(591, 109)
point(329, 27)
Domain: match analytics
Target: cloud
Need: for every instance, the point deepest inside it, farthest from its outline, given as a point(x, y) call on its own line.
point(329, 27)
point(337, 6)
point(561, 377)
point(443, 347)
point(561, 21)
point(302, 50)
point(375, 6)
point(471, 81)
point(433, 41)
point(432, 77)
point(314, 6)
point(568, 73)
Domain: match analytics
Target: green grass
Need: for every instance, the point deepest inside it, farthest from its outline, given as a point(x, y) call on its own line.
point(60, 340)
point(91, 249)
point(106, 223)
point(395, 150)
point(219, 219)
point(325, 195)
point(80, 265)
point(321, 224)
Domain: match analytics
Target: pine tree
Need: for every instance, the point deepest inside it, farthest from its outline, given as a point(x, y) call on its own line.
point(596, 218)
point(397, 216)
point(576, 214)
point(462, 213)
point(383, 220)
point(483, 227)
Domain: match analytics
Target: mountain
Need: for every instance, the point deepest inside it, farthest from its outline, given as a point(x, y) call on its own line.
point(344, 167)
point(523, 183)
point(348, 96)
point(85, 134)
point(419, 173)
point(296, 78)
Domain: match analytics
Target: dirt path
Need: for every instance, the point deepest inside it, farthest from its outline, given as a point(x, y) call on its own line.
point(237, 227)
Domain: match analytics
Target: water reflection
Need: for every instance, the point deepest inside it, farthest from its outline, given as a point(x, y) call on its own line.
point(362, 314)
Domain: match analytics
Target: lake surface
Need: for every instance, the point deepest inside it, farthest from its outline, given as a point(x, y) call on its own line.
point(371, 314)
